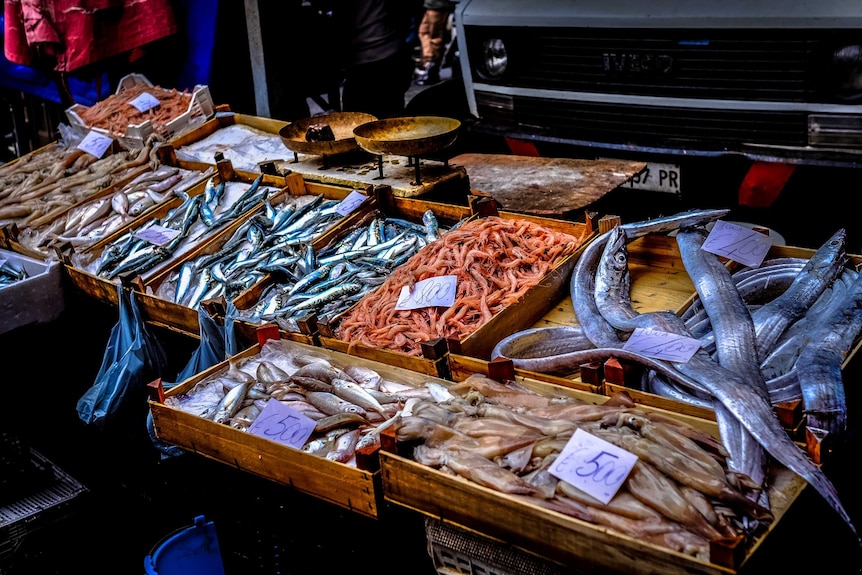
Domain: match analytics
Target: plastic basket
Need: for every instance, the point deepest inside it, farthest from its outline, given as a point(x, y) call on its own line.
point(458, 552)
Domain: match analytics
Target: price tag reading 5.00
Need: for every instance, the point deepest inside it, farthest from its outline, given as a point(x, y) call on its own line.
point(593, 465)
point(662, 345)
point(432, 292)
point(282, 424)
point(737, 243)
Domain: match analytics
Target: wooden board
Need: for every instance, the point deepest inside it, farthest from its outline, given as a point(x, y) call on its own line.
point(554, 187)
point(361, 169)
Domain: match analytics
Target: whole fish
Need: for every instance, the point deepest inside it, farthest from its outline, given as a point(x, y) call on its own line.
point(819, 364)
point(330, 404)
point(736, 347)
point(230, 403)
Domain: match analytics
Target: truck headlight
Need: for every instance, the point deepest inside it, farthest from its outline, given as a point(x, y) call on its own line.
point(848, 68)
point(494, 59)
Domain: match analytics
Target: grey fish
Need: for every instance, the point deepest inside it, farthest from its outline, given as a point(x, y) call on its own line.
point(819, 364)
point(734, 331)
point(330, 404)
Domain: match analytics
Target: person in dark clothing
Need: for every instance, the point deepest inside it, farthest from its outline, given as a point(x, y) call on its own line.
point(377, 66)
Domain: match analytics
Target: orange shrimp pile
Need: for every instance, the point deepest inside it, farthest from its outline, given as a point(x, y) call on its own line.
point(496, 261)
point(115, 113)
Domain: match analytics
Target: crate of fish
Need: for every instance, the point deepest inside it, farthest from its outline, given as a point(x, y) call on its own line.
point(786, 295)
point(246, 141)
point(277, 239)
point(96, 219)
point(587, 482)
point(299, 415)
point(174, 229)
point(49, 181)
point(476, 281)
point(31, 290)
point(138, 110)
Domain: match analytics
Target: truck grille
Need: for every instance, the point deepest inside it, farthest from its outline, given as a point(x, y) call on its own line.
point(760, 65)
point(649, 125)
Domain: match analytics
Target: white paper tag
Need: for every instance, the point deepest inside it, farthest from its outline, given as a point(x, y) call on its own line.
point(282, 424)
point(738, 243)
point(593, 465)
point(662, 345)
point(144, 101)
point(95, 143)
point(350, 203)
point(432, 292)
point(157, 235)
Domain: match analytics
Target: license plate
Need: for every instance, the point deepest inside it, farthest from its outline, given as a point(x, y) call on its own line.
point(656, 178)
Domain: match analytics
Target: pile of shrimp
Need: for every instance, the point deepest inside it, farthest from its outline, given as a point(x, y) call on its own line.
point(496, 262)
point(115, 113)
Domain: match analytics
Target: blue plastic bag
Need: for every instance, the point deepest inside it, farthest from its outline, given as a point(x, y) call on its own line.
point(217, 344)
point(132, 359)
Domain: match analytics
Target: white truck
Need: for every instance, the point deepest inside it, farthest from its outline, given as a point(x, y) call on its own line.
point(750, 104)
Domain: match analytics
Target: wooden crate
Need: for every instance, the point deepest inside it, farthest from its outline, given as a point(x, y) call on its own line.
point(578, 545)
point(213, 125)
point(355, 489)
point(480, 343)
point(659, 281)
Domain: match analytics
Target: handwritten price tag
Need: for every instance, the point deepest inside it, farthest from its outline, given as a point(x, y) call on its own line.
point(282, 424)
point(157, 235)
point(433, 292)
point(95, 143)
point(350, 203)
point(737, 243)
point(144, 102)
point(593, 465)
point(662, 345)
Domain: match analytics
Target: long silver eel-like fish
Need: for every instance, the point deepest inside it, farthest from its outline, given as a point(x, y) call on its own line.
point(746, 402)
point(734, 331)
point(819, 364)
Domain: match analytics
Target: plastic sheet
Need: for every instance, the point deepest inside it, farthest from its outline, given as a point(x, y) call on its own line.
point(132, 359)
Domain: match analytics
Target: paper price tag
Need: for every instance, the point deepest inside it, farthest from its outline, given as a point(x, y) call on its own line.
point(282, 424)
point(432, 292)
point(737, 243)
point(662, 345)
point(144, 102)
point(157, 235)
point(593, 465)
point(350, 203)
point(95, 143)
